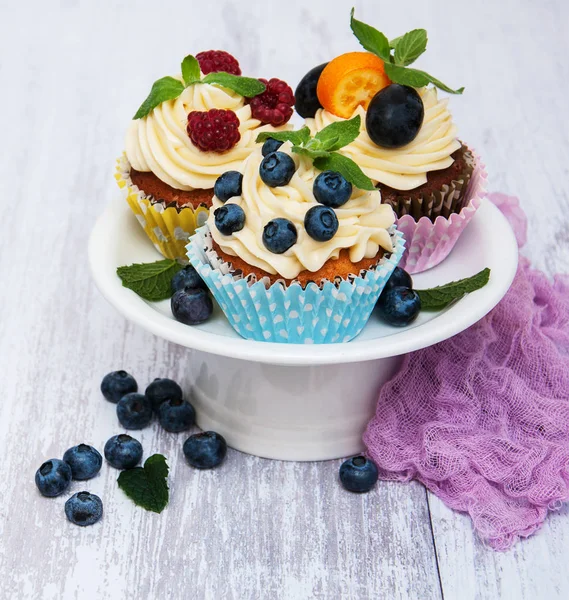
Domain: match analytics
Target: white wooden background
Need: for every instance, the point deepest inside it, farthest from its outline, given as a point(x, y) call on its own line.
point(71, 74)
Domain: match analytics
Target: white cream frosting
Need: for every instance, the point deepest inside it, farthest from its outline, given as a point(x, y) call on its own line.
point(404, 168)
point(363, 221)
point(160, 143)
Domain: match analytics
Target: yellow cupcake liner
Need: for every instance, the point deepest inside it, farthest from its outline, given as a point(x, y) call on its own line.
point(168, 228)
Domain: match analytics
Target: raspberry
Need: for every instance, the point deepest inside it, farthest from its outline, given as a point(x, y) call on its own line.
point(274, 105)
point(214, 61)
point(215, 130)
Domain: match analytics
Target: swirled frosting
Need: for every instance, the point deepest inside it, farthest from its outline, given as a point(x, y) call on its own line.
point(160, 143)
point(403, 168)
point(363, 221)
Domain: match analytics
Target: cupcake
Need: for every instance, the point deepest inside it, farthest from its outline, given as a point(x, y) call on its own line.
point(293, 253)
point(408, 144)
point(190, 130)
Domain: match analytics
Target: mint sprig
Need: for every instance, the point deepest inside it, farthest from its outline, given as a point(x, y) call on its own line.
point(150, 281)
point(169, 88)
point(322, 148)
point(398, 54)
point(147, 486)
point(440, 297)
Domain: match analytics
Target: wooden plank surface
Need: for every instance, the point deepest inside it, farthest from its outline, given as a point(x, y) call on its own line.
point(72, 74)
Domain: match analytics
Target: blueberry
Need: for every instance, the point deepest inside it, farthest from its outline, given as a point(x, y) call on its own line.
point(229, 219)
point(228, 185)
point(134, 411)
point(332, 189)
point(277, 168)
point(270, 145)
point(358, 474)
point(205, 450)
point(279, 235)
point(399, 278)
point(176, 415)
point(162, 389)
point(116, 384)
point(321, 223)
point(53, 477)
point(306, 100)
point(191, 306)
point(399, 306)
point(123, 451)
point(187, 277)
point(394, 116)
point(85, 461)
point(84, 509)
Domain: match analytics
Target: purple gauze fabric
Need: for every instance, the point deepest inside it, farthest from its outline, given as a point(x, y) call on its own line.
point(482, 419)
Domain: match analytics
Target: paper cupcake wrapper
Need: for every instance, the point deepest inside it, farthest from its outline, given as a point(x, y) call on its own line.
point(428, 243)
point(293, 315)
point(168, 228)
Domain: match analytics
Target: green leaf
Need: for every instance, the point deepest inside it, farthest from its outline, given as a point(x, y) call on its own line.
point(393, 43)
point(415, 78)
point(312, 153)
point(147, 486)
point(410, 46)
point(150, 281)
point(164, 89)
point(438, 298)
point(244, 86)
point(370, 38)
point(190, 70)
point(339, 134)
point(346, 167)
point(297, 138)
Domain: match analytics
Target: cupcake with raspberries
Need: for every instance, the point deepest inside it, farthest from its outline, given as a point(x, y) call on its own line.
point(298, 248)
point(408, 144)
point(189, 130)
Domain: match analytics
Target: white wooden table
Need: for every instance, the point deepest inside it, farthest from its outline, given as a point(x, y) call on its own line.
point(72, 74)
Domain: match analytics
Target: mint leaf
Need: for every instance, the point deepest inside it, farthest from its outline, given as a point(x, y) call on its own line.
point(297, 138)
point(370, 38)
point(190, 70)
point(393, 43)
point(164, 89)
point(346, 167)
point(415, 78)
point(147, 486)
point(312, 153)
point(150, 281)
point(410, 46)
point(244, 86)
point(439, 297)
point(339, 134)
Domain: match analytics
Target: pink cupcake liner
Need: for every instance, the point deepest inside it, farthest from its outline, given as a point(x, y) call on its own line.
point(427, 243)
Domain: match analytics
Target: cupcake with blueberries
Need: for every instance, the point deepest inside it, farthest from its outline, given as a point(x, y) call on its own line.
point(408, 144)
point(298, 248)
point(189, 130)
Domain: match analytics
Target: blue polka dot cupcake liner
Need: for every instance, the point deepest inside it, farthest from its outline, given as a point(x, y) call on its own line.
point(327, 314)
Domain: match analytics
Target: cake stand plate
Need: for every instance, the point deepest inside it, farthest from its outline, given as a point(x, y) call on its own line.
point(293, 401)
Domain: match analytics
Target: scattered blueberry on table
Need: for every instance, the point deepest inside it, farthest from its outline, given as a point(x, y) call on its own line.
point(399, 277)
point(85, 461)
point(84, 509)
point(117, 384)
point(162, 389)
point(123, 451)
point(53, 477)
point(176, 415)
point(205, 450)
point(399, 306)
point(134, 411)
point(358, 474)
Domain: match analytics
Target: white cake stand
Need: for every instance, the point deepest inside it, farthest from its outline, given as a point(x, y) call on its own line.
point(290, 401)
